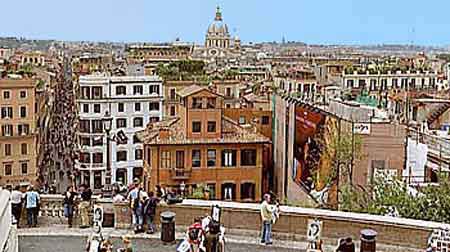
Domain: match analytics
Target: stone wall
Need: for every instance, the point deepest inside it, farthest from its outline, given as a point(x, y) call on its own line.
point(394, 234)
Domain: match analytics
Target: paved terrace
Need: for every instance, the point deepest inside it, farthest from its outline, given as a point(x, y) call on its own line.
point(242, 221)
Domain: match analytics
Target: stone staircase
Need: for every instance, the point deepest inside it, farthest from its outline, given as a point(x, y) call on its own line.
point(437, 112)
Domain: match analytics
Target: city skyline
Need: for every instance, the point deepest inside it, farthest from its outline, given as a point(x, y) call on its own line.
point(319, 22)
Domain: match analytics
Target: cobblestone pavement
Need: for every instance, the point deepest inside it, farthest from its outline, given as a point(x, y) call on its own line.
point(73, 240)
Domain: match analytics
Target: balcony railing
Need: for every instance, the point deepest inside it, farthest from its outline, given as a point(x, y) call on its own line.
point(180, 173)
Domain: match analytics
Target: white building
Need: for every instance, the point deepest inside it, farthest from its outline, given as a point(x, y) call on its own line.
point(133, 102)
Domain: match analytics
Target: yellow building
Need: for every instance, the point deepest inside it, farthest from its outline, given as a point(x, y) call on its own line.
point(18, 134)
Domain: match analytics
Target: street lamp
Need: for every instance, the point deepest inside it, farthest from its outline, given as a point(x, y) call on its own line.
point(107, 122)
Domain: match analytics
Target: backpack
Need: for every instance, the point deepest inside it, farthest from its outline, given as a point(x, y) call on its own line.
point(135, 201)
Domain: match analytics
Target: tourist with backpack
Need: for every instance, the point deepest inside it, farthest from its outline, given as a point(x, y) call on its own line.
point(136, 199)
point(150, 211)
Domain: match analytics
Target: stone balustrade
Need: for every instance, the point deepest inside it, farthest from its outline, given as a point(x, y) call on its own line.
point(394, 234)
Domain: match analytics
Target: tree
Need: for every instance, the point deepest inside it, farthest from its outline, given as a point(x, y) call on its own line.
point(430, 203)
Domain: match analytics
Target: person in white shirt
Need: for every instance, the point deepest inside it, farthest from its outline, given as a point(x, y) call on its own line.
point(16, 204)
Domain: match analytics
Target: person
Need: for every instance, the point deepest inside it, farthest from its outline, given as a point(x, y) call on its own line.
point(346, 245)
point(135, 198)
point(106, 246)
point(127, 246)
point(267, 218)
point(85, 206)
point(32, 205)
point(196, 232)
point(69, 202)
point(150, 212)
point(117, 197)
point(16, 204)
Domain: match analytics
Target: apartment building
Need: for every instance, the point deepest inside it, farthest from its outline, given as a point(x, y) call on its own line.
point(378, 82)
point(132, 102)
point(201, 146)
point(18, 136)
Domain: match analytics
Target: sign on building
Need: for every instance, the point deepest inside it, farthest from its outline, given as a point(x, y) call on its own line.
point(314, 230)
point(361, 128)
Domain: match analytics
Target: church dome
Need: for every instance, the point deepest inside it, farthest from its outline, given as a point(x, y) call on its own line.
point(218, 26)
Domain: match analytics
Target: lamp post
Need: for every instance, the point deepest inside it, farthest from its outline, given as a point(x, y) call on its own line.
point(107, 122)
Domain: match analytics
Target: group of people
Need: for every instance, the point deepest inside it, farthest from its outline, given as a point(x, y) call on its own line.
point(30, 200)
point(143, 206)
point(84, 206)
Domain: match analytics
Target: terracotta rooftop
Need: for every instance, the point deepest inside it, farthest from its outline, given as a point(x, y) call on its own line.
point(190, 90)
point(231, 133)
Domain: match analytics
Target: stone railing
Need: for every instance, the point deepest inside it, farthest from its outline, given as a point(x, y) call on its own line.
point(8, 236)
point(394, 234)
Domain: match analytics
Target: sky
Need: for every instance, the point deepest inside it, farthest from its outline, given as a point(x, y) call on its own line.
point(311, 21)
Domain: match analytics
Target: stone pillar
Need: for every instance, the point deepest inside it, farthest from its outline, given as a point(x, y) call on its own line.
point(368, 240)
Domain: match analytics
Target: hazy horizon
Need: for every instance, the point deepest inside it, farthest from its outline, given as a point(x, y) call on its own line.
point(320, 22)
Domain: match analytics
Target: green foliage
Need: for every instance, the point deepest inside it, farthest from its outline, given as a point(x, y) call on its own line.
point(199, 192)
point(181, 70)
point(432, 203)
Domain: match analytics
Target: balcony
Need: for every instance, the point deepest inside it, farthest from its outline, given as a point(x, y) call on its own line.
point(180, 173)
point(89, 166)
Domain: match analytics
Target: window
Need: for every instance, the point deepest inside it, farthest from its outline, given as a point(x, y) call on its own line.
point(8, 169)
point(228, 191)
point(376, 166)
point(85, 157)
point(23, 94)
point(7, 130)
point(97, 126)
point(23, 111)
point(97, 141)
point(212, 191)
point(373, 85)
point(179, 159)
point(136, 139)
point(196, 127)
point(7, 149)
point(7, 112)
point(121, 156)
point(248, 191)
point(24, 168)
point(248, 157)
point(23, 129)
point(138, 89)
point(211, 103)
point(24, 149)
point(154, 119)
point(212, 127)
point(349, 83)
point(264, 120)
point(137, 106)
point(154, 89)
point(172, 94)
point(165, 159)
point(85, 108)
point(196, 103)
point(138, 122)
point(97, 158)
point(85, 93)
point(85, 141)
point(196, 158)
point(120, 107)
point(172, 110)
point(121, 123)
point(97, 108)
point(84, 126)
point(228, 105)
point(97, 92)
point(154, 106)
point(242, 120)
point(228, 158)
point(6, 95)
point(228, 92)
point(211, 158)
point(138, 154)
point(395, 83)
point(121, 90)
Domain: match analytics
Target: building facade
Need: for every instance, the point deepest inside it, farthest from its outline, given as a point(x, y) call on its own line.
point(203, 147)
point(132, 102)
point(18, 136)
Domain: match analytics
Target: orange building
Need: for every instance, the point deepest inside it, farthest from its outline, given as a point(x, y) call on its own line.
point(203, 147)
